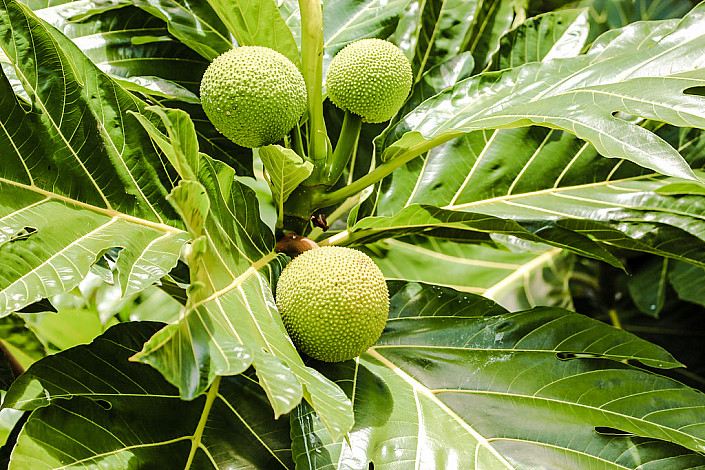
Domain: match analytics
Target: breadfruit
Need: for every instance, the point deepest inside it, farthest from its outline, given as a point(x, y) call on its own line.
point(253, 95)
point(333, 301)
point(370, 78)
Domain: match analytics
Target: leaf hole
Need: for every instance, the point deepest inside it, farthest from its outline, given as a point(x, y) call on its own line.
point(24, 233)
point(567, 356)
point(105, 404)
point(695, 91)
point(607, 431)
point(621, 115)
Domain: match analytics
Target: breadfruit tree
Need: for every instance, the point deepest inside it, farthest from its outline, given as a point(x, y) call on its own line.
point(352, 234)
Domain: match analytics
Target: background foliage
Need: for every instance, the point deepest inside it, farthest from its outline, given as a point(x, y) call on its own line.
point(536, 206)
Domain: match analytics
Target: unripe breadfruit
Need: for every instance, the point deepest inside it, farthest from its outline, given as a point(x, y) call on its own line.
point(370, 78)
point(253, 95)
point(334, 302)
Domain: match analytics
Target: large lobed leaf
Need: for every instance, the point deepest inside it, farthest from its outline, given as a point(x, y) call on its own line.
point(137, 48)
point(550, 183)
point(82, 155)
point(120, 414)
point(77, 176)
point(642, 69)
point(457, 382)
point(515, 280)
point(230, 322)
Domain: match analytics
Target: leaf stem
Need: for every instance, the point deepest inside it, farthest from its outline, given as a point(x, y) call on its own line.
point(312, 65)
point(344, 149)
point(198, 434)
point(375, 175)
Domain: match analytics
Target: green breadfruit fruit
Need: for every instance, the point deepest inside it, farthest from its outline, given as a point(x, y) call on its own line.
point(370, 78)
point(253, 95)
point(334, 302)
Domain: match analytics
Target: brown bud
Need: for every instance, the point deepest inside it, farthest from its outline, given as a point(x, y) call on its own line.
point(293, 245)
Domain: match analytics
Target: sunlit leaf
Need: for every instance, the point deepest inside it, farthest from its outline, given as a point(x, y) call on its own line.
point(257, 23)
point(118, 414)
point(549, 36)
point(230, 321)
point(138, 50)
point(579, 95)
point(285, 170)
point(124, 41)
point(515, 280)
point(76, 157)
point(491, 21)
point(439, 36)
point(345, 21)
point(195, 24)
point(512, 389)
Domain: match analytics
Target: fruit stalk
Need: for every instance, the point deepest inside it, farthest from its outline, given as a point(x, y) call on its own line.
point(344, 149)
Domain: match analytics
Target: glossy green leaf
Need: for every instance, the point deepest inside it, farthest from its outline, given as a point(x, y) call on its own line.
point(230, 321)
point(526, 171)
point(438, 78)
point(179, 145)
point(257, 23)
point(492, 20)
point(629, 71)
point(551, 183)
point(195, 24)
point(8, 419)
point(439, 34)
point(610, 14)
point(137, 49)
point(126, 414)
point(345, 21)
point(128, 42)
point(515, 280)
point(285, 170)
point(157, 87)
point(689, 282)
point(405, 36)
point(514, 390)
point(473, 227)
point(552, 35)
point(74, 158)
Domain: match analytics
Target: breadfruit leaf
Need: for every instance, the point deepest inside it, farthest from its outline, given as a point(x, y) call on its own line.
point(230, 321)
point(644, 70)
point(550, 182)
point(543, 387)
point(285, 170)
point(125, 414)
point(78, 176)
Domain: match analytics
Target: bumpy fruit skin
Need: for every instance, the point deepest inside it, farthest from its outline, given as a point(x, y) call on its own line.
point(253, 95)
point(334, 302)
point(370, 78)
